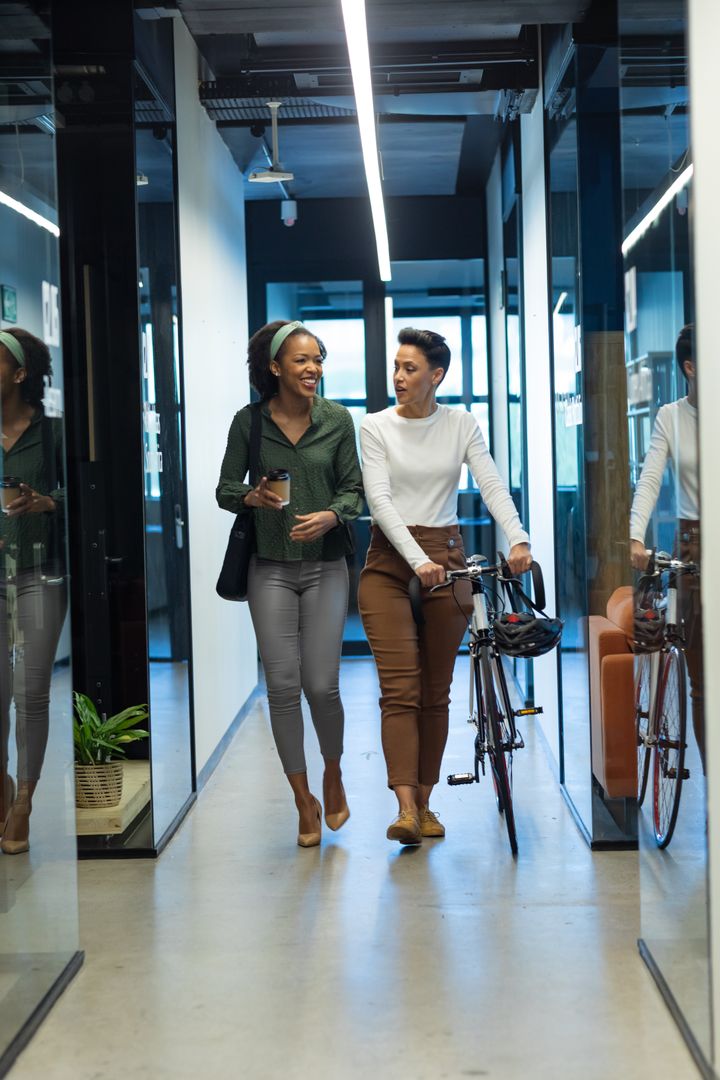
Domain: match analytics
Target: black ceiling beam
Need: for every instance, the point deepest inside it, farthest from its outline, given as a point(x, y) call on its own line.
point(455, 54)
point(314, 121)
point(523, 76)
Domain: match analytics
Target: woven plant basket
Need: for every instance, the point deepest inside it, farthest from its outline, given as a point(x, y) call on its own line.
point(99, 785)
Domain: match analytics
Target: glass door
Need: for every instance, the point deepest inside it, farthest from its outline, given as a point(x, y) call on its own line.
point(38, 864)
point(166, 548)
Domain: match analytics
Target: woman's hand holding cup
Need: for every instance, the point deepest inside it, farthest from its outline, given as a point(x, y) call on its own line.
point(261, 497)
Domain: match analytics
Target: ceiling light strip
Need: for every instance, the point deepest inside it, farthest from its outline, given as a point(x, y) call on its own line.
point(31, 215)
point(652, 215)
point(357, 43)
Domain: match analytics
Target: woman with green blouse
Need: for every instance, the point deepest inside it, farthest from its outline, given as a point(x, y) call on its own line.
point(298, 579)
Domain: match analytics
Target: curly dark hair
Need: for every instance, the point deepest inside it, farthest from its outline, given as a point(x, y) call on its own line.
point(435, 347)
point(37, 365)
point(685, 347)
point(258, 361)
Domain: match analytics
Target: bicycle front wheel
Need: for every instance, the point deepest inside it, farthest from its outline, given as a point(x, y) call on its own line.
point(669, 752)
point(642, 722)
point(496, 750)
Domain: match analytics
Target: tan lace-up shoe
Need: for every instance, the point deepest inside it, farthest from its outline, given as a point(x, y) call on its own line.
point(429, 824)
point(405, 828)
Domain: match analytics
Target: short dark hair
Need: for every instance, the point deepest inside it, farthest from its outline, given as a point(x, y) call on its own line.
point(685, 347)
point(38, 364)
point(433, 345)
point(258, 359)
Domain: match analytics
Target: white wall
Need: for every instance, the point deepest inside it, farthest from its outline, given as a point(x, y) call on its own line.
point(538, 399)
point(704, 18)
point(215, 332)
point(496, 319)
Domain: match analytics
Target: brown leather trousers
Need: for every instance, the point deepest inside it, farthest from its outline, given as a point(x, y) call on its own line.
point(688, 549)
point(415, 664)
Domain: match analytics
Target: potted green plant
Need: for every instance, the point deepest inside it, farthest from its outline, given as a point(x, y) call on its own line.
point(99, 741)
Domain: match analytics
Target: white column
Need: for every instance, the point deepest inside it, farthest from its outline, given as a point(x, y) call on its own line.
point(497, 330)
point(538, 402)
point(211, 216)
point(704, 17)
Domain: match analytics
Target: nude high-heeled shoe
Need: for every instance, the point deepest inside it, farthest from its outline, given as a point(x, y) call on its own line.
point(312, 839)
point(16, 835)
point(336, 821)
point(7, 797)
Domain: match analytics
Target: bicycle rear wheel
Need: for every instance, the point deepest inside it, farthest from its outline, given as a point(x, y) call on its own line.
point(496, 750)
point(669, 752)
point(642, 722)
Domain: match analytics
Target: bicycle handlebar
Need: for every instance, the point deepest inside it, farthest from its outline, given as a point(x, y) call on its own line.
point(661, 560)
point(476, 567)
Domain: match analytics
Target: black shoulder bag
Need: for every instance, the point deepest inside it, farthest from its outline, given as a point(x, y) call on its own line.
point(233, 581)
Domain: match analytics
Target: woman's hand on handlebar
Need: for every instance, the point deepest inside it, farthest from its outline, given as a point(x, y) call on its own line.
point(638, 555)
point(431, 574)
point(519, 560)
point(262, 497)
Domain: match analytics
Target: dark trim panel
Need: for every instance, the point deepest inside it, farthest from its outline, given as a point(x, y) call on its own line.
point(26, 1032)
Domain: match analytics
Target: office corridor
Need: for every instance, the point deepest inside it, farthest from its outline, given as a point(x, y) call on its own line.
point(238, 954)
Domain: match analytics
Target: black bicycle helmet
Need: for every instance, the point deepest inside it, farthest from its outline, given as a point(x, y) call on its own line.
point(520, 633)
point(648, 629)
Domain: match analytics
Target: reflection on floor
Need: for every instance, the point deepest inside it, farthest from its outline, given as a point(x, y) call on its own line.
point(240, 954)
point(674, 899)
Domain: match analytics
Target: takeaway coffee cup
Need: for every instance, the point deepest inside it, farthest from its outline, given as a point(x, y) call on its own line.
point(9, 491)
point(278, 481)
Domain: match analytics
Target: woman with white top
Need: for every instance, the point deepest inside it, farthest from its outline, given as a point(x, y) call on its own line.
point(412, 457)
point(675, 440)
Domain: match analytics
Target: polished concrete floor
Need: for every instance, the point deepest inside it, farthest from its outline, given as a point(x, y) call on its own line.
point(239, 955)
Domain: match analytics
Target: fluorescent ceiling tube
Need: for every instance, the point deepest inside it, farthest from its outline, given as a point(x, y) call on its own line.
point(357, 43)
point(652, 215)
point(561, 300)
point(31, 215)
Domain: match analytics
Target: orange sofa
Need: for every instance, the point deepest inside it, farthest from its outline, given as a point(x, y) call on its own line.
point(612, 696)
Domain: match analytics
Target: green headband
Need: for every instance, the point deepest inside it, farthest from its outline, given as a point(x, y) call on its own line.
point(279, 338)
point(12, 344)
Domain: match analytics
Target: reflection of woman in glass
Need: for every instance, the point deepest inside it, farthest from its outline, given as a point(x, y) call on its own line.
point(298, 581)
point(33, 595)
point(675, 439)
point(412, 458)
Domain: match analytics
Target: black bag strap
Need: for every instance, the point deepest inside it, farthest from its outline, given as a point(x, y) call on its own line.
point(255, 441)
point(514, 589)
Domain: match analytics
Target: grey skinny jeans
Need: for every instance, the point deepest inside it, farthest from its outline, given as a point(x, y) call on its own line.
point(298, 610)
point(32, 613)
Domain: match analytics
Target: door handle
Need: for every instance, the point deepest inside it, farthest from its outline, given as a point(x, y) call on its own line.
point(179, 527)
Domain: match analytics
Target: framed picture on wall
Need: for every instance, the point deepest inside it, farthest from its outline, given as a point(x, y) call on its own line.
point(8, 303)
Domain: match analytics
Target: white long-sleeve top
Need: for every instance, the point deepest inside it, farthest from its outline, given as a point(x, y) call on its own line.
point(674, 437)
point(411, 473)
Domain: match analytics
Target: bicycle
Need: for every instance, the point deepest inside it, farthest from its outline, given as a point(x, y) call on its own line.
point(661, 694)
point(491, 712)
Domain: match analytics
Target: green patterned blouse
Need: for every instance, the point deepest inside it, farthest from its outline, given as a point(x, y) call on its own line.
point(324, 475)
point(36, 541)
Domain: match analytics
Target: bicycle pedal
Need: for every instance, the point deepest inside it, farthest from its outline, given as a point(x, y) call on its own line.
point(537, 711)
point(686, 774)
point(461, 778)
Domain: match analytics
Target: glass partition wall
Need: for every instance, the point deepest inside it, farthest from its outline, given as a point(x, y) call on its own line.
point(38, 895)
point(123, 333)
point(662, 421)
point(590, 431)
